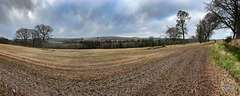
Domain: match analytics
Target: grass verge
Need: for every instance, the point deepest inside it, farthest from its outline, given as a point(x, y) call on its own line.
point(223, 56)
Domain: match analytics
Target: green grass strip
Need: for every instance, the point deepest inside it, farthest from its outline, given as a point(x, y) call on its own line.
point(227, 58)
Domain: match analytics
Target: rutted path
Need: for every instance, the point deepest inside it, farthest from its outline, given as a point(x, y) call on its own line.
point(184, 71)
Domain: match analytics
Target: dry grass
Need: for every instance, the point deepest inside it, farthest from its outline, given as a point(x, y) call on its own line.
point(80, 57)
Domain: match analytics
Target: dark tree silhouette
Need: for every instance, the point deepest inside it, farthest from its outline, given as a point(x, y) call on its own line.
point(206, 26)
point(151, 42)
point(228, 13)
point(45, 32)
point(173, 33)
point(23, 35)
point(36, 38)
point(181, 22)
point(200, 31)
point(211, 23)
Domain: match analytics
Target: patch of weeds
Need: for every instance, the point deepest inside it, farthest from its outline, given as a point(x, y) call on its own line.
point(41, 66)
point(4, 90)
point(111, 80)
point(20, 67)
point(165, 78)
point(166, 81)
point(139, 72)
point(18, 72)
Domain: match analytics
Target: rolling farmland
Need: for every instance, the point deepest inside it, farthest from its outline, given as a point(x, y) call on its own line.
point(174, 70)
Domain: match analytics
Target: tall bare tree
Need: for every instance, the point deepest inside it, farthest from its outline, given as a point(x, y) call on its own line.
point(228, 12)
point(200, 31)
point(23, 35)
point(181, 22)
point(211, 22)
point(173, 33)
point(45, 32)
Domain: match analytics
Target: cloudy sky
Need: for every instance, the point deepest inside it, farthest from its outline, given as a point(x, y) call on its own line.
point(92, 18)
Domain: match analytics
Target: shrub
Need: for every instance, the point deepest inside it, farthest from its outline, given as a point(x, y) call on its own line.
point(228, 39)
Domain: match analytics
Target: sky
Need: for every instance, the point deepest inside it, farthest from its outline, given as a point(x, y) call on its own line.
point(97, 18)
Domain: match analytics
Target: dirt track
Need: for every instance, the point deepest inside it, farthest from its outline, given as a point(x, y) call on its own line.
point(182, 71)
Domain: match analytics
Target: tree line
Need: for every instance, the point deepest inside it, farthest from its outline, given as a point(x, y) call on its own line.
point(228, 14)
point(222, 14)
point(36, 37)
point(107, 44)
point(112, 44)
point(206, 26)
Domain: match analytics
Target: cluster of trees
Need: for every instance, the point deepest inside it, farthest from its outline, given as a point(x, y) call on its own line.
point(223, 14)
point(112, 44)
point(174, 33)
point(33, 37)
point(228, 13)
point(5, 40)
point(206, 26)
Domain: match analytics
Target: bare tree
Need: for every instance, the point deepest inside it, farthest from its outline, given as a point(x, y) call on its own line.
point(206, 26)
point(23, 35)
point(228, 13)
point(200, 31)
point(173, 33)
point(35, 36)
point(181, 22)
point(211, 22)
point(45, 32)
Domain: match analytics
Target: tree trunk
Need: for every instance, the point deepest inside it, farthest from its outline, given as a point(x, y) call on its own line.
point(183, 34)
point(234, 35)
point(238, 33)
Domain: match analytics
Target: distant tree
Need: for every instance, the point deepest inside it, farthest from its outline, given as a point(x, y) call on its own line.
point(181, 22)
point(120, 44)
point(228, 13)
point(4, 40)
point(159, 42)
point(193, 38)
point(23, 35)
point(151, 42)
point(173, 33)
point(45, 32)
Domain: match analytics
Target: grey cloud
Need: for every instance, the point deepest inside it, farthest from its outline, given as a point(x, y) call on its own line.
point(7, 5)
point(81, 18)
point(20, 4)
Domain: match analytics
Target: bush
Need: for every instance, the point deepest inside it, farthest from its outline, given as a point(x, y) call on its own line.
point(228, 39)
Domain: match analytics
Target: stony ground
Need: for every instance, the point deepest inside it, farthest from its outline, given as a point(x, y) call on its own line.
point(174, 71)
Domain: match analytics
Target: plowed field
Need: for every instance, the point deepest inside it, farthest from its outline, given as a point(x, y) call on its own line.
point(176, 70)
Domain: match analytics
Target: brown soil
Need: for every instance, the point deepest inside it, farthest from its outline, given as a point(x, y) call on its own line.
point(177, 71)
